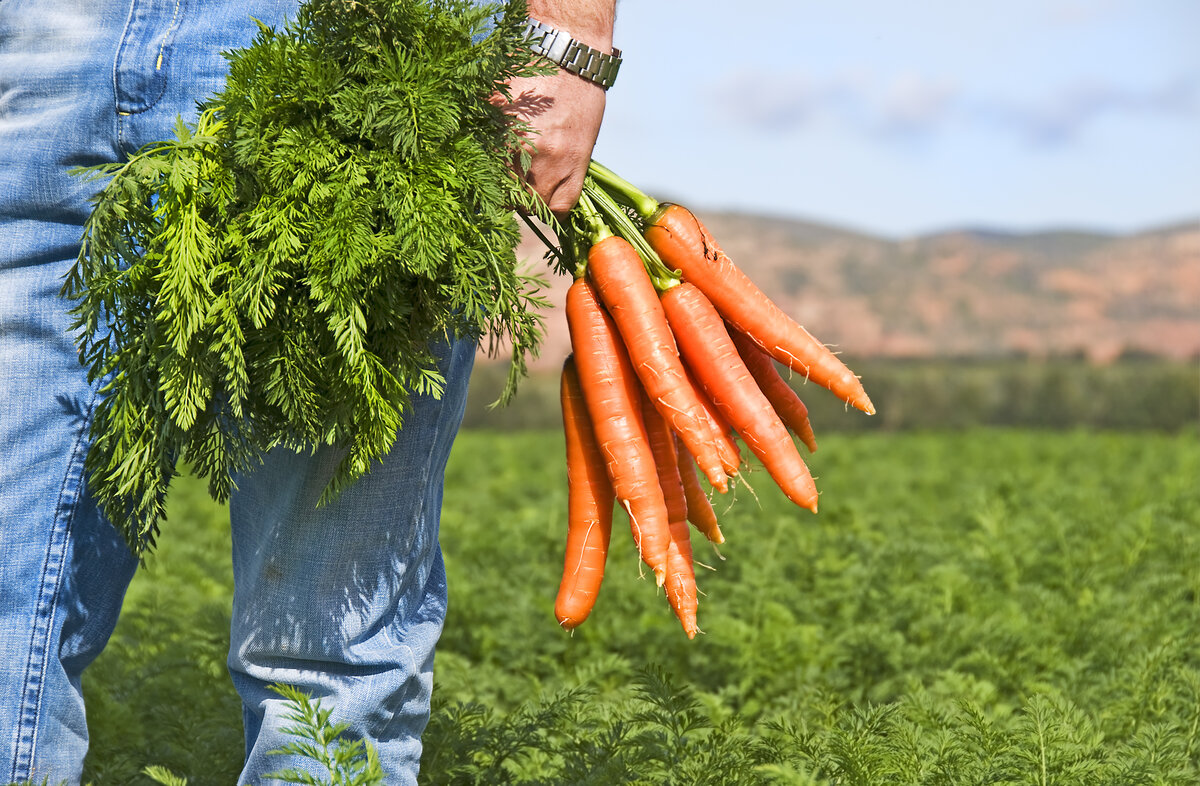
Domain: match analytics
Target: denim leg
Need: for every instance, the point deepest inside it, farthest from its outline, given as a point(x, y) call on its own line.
point(63, 569)
point(346, 601)
point(81, 82)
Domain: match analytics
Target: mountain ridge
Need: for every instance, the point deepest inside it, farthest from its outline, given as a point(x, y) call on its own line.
point(969, 291)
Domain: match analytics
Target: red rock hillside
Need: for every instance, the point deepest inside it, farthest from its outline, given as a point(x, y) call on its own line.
point(962, 293)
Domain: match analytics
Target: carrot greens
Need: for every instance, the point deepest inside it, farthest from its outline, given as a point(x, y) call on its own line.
point(282, 272)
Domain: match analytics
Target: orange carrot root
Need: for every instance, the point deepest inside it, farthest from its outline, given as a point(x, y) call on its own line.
point(713, 358)
point(589, 508)
point(787, 403)
point(680, 584)
point(699, 510)
point(686, 245)
point(613, 398)
point(625, 289)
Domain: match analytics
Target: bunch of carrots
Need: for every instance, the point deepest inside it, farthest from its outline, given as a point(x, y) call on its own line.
point(673, 360)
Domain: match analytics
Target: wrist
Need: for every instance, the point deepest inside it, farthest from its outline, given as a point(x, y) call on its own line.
point(588, 21)
point(566, 50)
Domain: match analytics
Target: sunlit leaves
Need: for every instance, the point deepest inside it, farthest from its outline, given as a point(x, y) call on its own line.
point(279, 273)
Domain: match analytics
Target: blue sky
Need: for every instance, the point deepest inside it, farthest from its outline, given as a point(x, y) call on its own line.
point(908, 117)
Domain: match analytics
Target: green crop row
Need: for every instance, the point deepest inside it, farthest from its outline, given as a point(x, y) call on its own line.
point(979, 606)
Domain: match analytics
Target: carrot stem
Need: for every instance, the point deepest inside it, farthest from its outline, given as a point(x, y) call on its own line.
point(622, 190)
point(597, 229)
point(660, 275)
point(551, 247)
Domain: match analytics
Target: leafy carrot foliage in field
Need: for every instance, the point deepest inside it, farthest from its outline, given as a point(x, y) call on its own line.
point(981, 602)
point(979, 607)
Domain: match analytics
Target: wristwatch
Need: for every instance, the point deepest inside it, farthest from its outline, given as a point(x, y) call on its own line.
point(560, 48)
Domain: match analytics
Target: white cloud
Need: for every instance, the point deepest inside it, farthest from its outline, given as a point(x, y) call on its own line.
point(783, 103)
point(912, 106)
point(1067, 113)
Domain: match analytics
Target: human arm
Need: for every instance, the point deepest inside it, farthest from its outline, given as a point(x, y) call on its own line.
point(563, 110)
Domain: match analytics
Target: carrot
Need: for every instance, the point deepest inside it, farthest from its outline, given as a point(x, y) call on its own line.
point(681, 574)
point(666, 461)
point(787, 404)
point(589, 508)
point(710, 353)
point(731, 457)
point(627, 292)
point(699, 510)
point(686, 245)
point(611, 393)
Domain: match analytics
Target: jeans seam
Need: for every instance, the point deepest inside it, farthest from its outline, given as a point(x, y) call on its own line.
point(167, 37)
point(116, 80)
point(45, 612)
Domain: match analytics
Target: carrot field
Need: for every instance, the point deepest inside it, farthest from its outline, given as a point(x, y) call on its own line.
point(969, 607)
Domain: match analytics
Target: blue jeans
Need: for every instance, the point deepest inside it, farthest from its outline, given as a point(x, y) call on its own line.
point(345, 601)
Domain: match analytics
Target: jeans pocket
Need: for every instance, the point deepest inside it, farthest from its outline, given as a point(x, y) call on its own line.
point(145, 55)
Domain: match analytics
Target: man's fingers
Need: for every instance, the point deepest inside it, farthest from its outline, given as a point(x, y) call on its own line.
point(563, 113)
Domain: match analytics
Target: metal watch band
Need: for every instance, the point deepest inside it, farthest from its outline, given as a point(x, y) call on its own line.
point(560, 48)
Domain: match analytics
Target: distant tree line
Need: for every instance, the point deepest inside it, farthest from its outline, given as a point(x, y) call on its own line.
point(1134, 393)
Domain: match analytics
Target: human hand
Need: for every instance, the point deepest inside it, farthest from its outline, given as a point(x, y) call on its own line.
point(563, 110)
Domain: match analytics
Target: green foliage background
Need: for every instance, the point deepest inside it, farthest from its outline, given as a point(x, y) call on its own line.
point(979, 606)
